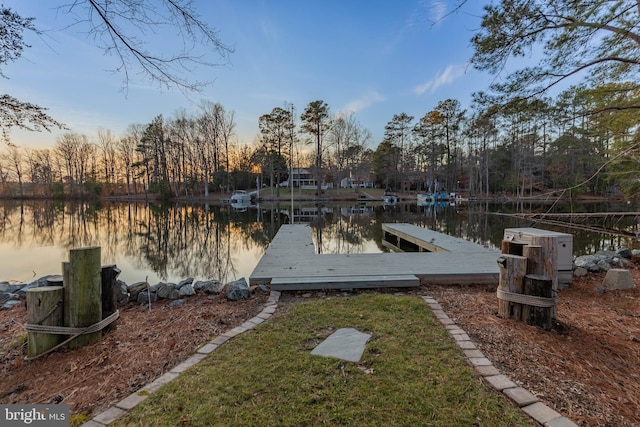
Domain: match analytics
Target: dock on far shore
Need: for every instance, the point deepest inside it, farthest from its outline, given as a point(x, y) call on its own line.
point(291, 262)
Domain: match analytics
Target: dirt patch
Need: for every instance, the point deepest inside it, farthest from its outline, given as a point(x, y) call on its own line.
point(145, 344)
point(587, 367)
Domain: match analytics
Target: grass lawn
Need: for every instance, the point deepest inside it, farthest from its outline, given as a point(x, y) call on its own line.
point(411, 374)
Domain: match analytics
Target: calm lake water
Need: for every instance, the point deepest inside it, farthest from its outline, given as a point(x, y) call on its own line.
point(170, 243)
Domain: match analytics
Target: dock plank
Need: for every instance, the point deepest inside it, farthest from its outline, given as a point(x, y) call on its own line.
point(430, 240)
point(289, 268)
point(342, 282)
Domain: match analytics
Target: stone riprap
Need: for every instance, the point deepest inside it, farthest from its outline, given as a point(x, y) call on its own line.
point(603, 261)
point(13, 293)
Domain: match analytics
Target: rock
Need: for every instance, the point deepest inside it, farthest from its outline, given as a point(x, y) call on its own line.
point(580, 272)
point(621, 262)
point(6, 299)
point(624, 253)
point(186, 290)
point(143, 297)
point(187, 281)
point(122, 292)
point(136, 288)
point(618, 278)
point(237, 290)
point(604, 255)
point(176, 303)
point(263, 288)
point(165, 290)
point(212, 286)
point(603, 265)
point(588, 262)
point(10, 303)
point(43, 281)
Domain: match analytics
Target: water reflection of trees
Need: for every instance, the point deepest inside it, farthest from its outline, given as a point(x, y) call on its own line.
point(172, 241)
point(209, 242)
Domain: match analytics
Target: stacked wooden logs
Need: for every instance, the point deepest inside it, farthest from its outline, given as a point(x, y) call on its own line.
point(528, 283)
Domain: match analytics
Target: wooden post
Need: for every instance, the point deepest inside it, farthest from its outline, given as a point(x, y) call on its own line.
point(549, 261)
point(539, 286)
point(65, 273)
point(108, 276)
point(83, 294)
point(44, 307)
point(512, 271)
point(534, 266)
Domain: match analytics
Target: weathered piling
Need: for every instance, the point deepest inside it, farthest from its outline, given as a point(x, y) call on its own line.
point(108, 276)
point(536, 314)
point(513, 268)
point(83, 294)
point(44, 307)
point(526, 283)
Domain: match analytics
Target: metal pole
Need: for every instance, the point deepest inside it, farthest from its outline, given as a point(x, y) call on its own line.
point(291, 164)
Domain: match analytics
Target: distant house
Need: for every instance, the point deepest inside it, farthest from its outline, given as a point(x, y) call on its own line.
point(349, 182)
point(305, 179)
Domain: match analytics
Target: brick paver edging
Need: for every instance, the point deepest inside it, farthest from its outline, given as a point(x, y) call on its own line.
point(120, 409)
point(540, 412)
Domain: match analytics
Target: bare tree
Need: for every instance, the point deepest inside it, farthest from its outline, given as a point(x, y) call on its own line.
point(14, 159)
point(107, 144)
point(122, 29)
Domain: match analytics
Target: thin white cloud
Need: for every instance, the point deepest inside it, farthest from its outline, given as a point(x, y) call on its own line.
point(450, 74)
point(427, 13)
point(437, 11)
point(368, 99)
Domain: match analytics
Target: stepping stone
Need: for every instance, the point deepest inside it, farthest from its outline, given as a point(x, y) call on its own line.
point(346, 344)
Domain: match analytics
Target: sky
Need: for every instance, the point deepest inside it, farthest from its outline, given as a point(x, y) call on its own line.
point(372, 58)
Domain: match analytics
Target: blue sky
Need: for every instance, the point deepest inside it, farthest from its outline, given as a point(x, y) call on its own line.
point(374, 58)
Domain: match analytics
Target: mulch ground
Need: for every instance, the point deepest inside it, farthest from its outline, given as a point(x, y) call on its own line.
point(587, 367)
point(145, 344)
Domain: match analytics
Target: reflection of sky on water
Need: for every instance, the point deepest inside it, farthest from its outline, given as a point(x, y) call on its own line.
point(27, 263)
point(217, 242)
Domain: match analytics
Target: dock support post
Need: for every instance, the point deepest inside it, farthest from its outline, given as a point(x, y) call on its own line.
point(513, 268)
point(44, 307)
point(83, 294)
point(549, 259)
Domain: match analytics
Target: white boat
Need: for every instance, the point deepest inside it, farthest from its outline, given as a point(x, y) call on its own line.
point(390, 199)
point(241, 197)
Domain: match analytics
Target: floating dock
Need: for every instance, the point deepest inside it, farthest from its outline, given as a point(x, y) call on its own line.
point(291, 262)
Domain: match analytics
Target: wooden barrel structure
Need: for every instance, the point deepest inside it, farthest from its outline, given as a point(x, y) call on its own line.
point(528, 282)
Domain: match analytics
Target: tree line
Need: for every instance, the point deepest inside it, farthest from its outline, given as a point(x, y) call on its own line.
point(514, 140)
point(524, 148)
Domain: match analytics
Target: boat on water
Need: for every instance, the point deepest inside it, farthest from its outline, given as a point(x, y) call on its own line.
point(241, 197)
point(443, 196)
point(390, 199)
point(434, 197)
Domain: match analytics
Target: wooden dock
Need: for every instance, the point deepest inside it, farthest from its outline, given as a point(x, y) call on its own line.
point(426, 240)
point(291, 263)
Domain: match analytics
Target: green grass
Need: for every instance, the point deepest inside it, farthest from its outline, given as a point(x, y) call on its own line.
point(411, 374)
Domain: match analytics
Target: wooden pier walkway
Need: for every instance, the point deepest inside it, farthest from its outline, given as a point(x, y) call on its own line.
point(291, 263)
